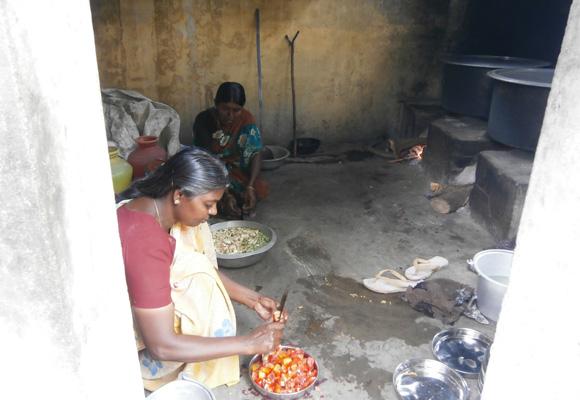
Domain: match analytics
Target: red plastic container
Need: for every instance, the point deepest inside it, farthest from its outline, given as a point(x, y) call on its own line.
point(147, 156)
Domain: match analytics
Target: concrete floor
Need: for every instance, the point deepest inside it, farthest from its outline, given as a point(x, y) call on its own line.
point(337, 224)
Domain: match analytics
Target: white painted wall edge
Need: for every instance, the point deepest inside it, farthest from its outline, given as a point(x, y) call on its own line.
point(64, 310)
point(536, 353)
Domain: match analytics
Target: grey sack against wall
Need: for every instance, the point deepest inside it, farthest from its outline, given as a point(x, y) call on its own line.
point(129, 114)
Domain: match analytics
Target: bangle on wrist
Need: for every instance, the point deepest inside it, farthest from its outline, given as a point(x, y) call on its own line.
point(250, 187)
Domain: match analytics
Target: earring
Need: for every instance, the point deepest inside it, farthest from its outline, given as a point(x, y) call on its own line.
point(176, 202)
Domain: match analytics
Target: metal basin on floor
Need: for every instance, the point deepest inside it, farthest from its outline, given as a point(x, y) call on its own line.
point(274, 157)
point(241, 260)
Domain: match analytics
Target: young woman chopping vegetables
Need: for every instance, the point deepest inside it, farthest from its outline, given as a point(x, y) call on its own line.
point(184, 319)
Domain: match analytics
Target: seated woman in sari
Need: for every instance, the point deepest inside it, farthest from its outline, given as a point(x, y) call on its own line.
point(183, 317)
point(229, 131)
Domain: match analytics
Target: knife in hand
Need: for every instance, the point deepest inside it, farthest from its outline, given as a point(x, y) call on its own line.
point(282, 304)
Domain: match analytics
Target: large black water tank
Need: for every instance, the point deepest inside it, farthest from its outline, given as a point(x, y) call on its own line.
point(466, 87)
point(517, 106)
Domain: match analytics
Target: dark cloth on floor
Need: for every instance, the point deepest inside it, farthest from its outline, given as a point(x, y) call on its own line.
point(443, 299)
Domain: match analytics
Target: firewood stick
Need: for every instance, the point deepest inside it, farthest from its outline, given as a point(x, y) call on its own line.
point(436, 188)
point(452, 198)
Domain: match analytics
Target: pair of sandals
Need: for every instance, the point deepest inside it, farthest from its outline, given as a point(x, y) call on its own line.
point(391, 281)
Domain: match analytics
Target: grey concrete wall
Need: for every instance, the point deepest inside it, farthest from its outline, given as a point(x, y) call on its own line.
point(531, 362)
point(354, 58)
point(65, 321)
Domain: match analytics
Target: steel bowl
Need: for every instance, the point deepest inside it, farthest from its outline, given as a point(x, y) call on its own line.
point(281, 396)
point(481, 377)
point(462, 349)
point(418, 379)
point(274, 157)
point(241, 260)
point(182, 389)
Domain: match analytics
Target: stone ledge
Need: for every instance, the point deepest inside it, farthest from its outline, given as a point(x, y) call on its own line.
point(498, 196)
point(416, 116)
point(453, 144)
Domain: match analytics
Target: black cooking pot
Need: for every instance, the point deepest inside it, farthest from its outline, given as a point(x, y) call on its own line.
point(517, 106)
point(304, 145)
point(466, 88)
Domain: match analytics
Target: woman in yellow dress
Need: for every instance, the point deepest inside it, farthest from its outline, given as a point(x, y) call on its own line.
point(184, 319)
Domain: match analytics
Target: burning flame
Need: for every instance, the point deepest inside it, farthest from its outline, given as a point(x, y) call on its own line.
point(416, 152)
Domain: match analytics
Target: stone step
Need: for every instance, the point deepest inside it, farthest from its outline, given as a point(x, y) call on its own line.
point(498, 196)
point(416, 115)
point(453, 143)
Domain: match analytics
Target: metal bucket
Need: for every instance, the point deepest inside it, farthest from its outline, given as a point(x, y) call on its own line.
point(466, 87)
point(518, 103)
point(494, 268)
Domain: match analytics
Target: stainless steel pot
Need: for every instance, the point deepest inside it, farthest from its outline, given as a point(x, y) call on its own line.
point(493, 267)
point(518, 103)
point(466, 87)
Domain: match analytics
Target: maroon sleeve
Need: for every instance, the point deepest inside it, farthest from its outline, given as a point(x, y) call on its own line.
point(247, 118)
point(148, 254)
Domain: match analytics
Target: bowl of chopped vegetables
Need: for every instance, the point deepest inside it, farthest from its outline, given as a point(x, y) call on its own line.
point(286, 373)
point(240, 244)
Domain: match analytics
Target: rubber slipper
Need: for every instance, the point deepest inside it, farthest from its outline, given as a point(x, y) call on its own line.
point(422, 269)
point(383, 284)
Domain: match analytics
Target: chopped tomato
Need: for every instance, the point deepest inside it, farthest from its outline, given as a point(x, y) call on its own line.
point(286, 370)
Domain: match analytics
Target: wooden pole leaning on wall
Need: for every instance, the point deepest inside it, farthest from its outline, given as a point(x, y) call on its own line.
point(291, 44)
point(259, 64)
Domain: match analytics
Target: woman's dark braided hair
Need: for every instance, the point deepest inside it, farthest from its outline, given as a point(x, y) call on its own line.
point(231, 92)
point(192, 170)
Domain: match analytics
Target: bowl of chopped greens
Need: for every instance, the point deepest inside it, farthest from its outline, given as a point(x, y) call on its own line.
point(240, 244)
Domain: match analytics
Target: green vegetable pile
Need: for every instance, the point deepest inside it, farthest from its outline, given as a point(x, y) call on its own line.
point(238, 240)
